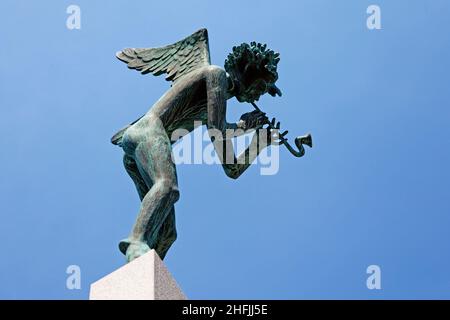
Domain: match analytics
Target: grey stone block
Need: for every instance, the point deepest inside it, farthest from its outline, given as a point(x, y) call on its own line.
point(145, 278)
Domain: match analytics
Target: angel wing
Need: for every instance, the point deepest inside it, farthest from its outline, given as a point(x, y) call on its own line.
point(176, 60)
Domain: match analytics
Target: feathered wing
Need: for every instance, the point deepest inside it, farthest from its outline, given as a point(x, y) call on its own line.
point(176, 60)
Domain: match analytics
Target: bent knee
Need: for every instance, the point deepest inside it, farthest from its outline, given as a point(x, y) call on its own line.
point(168, 188)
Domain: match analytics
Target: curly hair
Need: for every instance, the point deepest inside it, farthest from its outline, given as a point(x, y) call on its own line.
point(253, 61)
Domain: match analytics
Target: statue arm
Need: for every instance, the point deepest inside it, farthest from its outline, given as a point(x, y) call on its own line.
point(216, 85)
point(237, 129)
point(236, 167)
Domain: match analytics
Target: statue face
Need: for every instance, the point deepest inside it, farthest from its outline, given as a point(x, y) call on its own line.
point(253, 91)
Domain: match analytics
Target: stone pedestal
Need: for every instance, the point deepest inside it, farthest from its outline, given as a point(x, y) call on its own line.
point(145, 278)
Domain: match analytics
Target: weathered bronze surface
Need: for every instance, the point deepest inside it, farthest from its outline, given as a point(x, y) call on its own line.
point(199, 92)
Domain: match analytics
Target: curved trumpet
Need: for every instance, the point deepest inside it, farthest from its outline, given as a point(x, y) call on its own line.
point(299, 141)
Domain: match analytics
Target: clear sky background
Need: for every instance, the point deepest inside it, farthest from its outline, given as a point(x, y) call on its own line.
point(373, 190)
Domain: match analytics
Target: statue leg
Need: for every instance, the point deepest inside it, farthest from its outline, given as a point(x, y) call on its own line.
point(153, 157)
point(133, 172)
point(167, 234)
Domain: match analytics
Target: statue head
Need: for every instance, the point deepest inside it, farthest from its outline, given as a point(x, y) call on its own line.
point(253, 71)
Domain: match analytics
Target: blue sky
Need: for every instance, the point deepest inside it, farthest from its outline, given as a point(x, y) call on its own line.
point(373, 190)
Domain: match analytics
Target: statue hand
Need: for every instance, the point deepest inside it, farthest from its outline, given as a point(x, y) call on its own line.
point(272, 135)
point(254, 120)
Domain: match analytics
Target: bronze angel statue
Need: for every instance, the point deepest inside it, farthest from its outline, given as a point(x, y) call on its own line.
point(199, 92)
